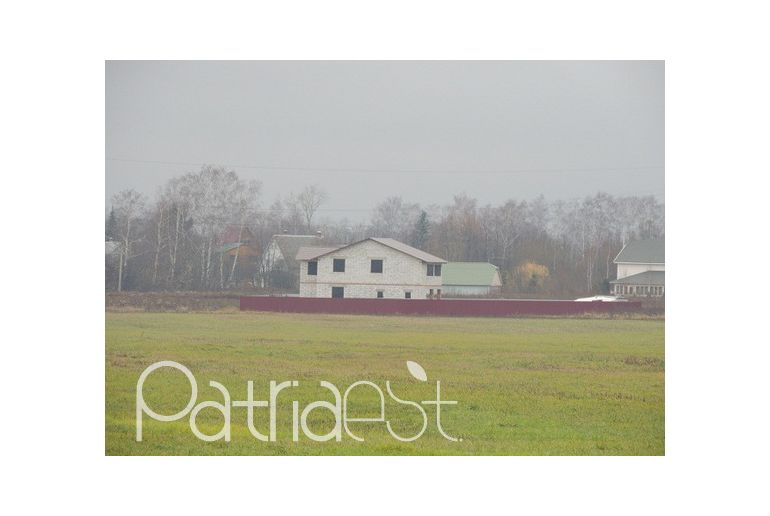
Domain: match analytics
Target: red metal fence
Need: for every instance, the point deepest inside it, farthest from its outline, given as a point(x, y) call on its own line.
point(448, 307)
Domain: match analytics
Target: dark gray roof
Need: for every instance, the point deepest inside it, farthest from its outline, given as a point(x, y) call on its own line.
point(290, 245)
point(643, 278)
point(643, 251)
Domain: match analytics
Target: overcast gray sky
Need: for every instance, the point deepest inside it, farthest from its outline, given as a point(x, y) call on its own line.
point(367, 130)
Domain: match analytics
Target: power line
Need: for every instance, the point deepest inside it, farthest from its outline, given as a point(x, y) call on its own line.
point(319, 209)
point(393, 171)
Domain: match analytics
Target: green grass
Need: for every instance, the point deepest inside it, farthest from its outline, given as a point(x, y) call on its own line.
point(524, 386)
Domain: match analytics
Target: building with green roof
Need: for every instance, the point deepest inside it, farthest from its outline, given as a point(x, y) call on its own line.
point(470, 279)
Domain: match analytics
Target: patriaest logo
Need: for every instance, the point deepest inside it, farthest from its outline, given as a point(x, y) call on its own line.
point(339, 408)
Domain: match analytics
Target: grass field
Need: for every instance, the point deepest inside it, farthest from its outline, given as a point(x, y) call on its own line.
point(523, 386)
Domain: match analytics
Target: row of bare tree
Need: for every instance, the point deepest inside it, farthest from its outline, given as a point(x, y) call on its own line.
point(556, 247)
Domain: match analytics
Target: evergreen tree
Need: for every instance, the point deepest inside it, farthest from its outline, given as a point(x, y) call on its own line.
point(421, 231)
point(110, 230)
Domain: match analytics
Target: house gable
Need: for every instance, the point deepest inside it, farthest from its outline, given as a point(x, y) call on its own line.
point(387, 242)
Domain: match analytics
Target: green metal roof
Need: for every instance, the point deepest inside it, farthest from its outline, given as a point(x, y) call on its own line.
point(469, 273)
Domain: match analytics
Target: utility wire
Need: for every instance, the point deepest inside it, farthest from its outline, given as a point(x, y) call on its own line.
point(394, 171)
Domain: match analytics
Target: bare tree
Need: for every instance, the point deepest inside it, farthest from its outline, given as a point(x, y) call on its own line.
point(309, 200)
point(395, 218)
point(509, 225)
point(159, 218)
point(177, 197)
point(128, 205)
point(182, 233)
point(244, 204)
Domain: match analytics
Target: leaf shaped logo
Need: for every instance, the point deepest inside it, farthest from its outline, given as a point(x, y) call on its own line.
point(417, 371)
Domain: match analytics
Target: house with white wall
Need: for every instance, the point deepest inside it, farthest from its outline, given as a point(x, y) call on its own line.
point(371, 268)
point(641, 269)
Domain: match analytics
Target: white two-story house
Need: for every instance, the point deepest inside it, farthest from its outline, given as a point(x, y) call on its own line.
point(641, 269)
point(370, 268)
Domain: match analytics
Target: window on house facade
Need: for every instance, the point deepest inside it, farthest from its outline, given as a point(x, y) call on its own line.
point(338, 292)
point(434, 269)
point(380, 294)
point(408, 295)
point(430, 269)
point(376, 266)
point(312, 268)
point(339, 265)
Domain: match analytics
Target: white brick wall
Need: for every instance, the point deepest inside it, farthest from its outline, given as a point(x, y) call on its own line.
point(400, 273)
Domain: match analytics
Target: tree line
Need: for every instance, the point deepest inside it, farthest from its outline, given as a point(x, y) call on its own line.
point(542, 247)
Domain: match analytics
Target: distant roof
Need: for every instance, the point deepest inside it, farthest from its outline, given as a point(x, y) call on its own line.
point(311, 253)
point(470, 273)
point(291, 244)
point(234, 234)
point(643, 251)
point(643, 278)
point(229, 247)
point(389, 242)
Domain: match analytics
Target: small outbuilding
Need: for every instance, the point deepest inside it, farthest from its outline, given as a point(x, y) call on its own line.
point(471, 279)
